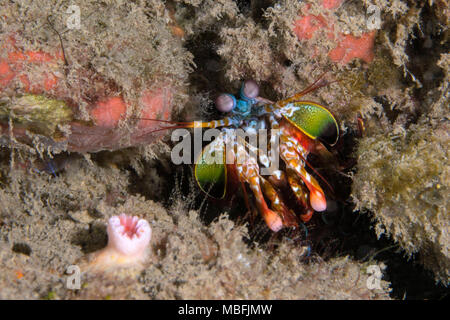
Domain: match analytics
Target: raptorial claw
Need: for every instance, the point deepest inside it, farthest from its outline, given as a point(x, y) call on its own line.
point(292, 154)
point(317, 200)
point(298, 188)
point(249, 172)
point(287, 216)
point(272, 219)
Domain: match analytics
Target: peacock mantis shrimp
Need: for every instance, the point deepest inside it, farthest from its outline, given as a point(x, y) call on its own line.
point(294, 126)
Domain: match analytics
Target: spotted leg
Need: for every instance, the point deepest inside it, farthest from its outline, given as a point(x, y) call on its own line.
point(248, 171)
point(293, 160)
point(288, 217)
point(301, 194)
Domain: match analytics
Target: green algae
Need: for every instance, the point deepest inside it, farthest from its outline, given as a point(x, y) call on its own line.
point(36, 113)
point(403, 178)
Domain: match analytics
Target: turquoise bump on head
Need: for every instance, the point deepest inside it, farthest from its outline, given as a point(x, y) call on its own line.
point(243, 107)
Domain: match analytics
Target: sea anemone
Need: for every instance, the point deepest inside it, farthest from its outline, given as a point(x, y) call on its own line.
point(128, 239)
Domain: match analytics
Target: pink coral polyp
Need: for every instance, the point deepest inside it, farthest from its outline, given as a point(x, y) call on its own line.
point(128, 235)
point(128, 241)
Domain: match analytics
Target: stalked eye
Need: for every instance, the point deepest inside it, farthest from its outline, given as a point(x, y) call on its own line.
point(249, 90)
point(225, 102)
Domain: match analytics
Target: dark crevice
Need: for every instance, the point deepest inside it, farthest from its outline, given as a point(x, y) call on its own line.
point(427, 44)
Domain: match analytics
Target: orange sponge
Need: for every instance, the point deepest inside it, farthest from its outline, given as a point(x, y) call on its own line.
point(155, 105)
point(351, 47)
point(331, 4)
point(348, 46)
point(306, 26)
point(109, 111)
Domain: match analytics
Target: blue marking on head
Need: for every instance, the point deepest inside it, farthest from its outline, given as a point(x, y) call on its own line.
point(243, 107)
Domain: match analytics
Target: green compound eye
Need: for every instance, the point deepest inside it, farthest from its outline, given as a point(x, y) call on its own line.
point(314, 120)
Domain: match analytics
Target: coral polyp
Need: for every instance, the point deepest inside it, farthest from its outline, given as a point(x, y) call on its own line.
point(128, 240)
point(129, 235)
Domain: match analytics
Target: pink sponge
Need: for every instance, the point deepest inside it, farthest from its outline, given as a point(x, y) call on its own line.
point(331, 4)
point(306, 26)
point(351, 47)
point(109, 111)
point(348, 46)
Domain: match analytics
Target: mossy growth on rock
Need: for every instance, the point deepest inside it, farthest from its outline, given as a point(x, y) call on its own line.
point(36, 113)
point(403, 177)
